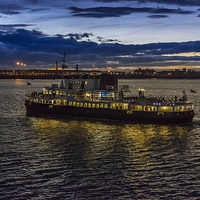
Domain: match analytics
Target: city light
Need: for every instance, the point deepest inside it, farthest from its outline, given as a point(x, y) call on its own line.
point(19, 63)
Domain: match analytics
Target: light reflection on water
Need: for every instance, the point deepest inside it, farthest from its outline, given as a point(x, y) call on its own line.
point(45, 158)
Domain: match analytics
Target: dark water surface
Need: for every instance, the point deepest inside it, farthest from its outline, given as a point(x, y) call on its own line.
point(46, 158)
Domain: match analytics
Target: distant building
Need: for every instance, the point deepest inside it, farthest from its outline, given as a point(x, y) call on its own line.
point(144, 71)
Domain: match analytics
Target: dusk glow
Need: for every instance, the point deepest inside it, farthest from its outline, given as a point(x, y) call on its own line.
point(100, 34)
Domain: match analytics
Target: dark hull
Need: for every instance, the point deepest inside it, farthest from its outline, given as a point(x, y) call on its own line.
point(102, 113)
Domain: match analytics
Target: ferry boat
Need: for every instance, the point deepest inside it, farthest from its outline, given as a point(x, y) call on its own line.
point(101, 99)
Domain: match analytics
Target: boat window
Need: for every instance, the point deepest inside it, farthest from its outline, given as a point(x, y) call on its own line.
point(81, 104)
point(105, 105)
point(93, 105)
point(44, 101)
point(97, 105)
point(95, 97)
point(180, 109)
point(79, 96)
point(76, 82)
point(85, 105)
point(63, 102)
point(87, 96)
point(150, 108)
point(165, 109)
point(101, 105)
point(89, 105)
point(77, 104)
point(113, 106)
point(188, 108)
point(135, 107)
point(74, 103)
point(125, 106)
point(70, 103)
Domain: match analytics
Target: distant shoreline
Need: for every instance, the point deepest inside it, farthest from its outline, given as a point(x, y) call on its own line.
point(129, 76)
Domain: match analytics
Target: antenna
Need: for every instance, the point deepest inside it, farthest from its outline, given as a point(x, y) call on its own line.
point(63, 56)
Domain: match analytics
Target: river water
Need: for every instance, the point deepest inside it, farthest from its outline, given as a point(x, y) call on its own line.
point(50, 158)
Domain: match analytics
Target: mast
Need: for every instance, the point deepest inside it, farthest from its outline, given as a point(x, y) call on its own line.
point(63, 66)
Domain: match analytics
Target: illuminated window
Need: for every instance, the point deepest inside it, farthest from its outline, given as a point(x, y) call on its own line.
point(165, 109)
point(101, 105)
point(89, 105)
point(77, 104)
point(85, 105)
point(68, 94)
point(180, 108)
point(81, 104)
point(72, 93)
point(64, 93)
point(105, 105)
point(188, 108)
point(44, 101)
point(70, 103)
point(97, 105)
point(57, 92)
point(135, 107)
point(74, 103)
point(150, 108)
point(85, 82)
point(93, 105)
point(61, 92)
point(113, 106)
point(125, 106)
point(49, 91)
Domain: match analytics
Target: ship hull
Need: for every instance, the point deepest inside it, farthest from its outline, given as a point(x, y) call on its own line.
point(109, 114)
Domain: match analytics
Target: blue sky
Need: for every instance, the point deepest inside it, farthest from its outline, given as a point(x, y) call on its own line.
point(100, 34)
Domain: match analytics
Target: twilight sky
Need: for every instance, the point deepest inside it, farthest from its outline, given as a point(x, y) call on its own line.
point(100, 34)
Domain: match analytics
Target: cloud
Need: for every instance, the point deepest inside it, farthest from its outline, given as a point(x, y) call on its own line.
point(79, 36)
point(10, 8)
point(102, 12)
point(39, 50)
point(102, 40)
point(175, 2)
point(39, 9)
point(157, 16)
point(15, 25)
